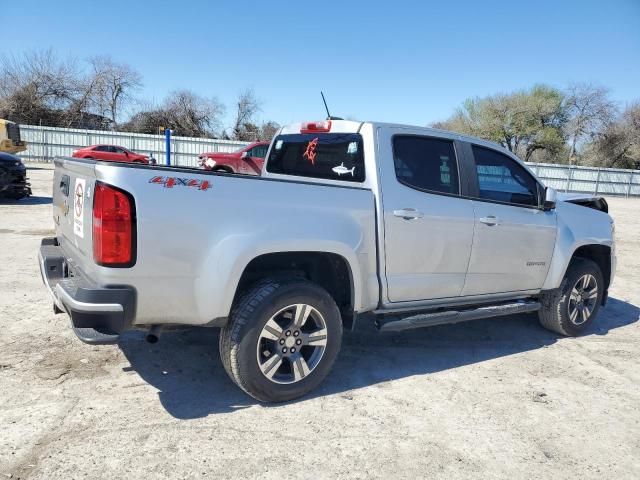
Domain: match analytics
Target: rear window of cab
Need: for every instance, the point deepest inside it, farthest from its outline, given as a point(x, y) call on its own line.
point(331, 156)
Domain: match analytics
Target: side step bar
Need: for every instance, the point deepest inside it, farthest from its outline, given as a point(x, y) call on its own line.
point(420, 320)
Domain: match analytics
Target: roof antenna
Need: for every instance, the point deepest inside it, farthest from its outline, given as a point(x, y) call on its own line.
point(329, 117)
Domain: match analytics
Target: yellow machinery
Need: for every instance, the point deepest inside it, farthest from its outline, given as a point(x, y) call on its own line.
point(10, 137)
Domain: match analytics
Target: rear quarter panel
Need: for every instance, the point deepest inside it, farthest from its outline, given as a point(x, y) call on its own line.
point(193, 245)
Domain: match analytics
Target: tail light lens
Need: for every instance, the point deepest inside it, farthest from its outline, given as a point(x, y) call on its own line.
point(113, 227)
point(313, 127)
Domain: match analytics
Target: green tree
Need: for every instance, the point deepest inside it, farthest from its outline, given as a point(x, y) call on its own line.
point(524, 122)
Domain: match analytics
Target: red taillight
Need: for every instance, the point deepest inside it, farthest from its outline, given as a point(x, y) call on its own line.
point(113, 228)
point(314, 127)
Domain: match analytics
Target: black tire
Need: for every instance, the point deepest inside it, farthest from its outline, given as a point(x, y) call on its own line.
point(556, 307)
point(15, 195)
point(239, 339)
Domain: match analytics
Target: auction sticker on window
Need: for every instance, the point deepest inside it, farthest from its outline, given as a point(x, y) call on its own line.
point(78, 207)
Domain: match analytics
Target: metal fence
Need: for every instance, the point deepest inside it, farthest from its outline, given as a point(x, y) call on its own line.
point(602, 181)
point(46, 143)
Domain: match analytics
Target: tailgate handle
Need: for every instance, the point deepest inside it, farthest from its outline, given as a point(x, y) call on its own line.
point(64, 185)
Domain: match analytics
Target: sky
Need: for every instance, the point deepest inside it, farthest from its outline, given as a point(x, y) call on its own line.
point(402, 61)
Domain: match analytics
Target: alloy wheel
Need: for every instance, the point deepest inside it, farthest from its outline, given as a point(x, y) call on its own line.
point(292, 343)
point(583, 299)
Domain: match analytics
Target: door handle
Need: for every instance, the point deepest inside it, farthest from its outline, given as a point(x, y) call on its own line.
point(490, 220)
point(408, 213)
point(64, 185)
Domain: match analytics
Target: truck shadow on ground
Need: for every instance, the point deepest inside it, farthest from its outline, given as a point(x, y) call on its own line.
point(33, 200)
point(186, 369)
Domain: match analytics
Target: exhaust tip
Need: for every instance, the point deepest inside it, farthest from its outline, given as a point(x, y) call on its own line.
point(154, 334)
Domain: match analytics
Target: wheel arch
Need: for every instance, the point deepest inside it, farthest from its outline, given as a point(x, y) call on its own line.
point(330, 270)
point(585, 233)
point(600, 254)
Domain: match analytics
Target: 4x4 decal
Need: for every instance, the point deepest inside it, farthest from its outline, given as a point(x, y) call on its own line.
point(170, 182)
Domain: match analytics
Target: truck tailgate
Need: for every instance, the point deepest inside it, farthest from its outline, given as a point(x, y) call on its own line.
point(73, 184)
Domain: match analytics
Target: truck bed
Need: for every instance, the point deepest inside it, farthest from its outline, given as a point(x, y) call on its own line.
point(197, 230)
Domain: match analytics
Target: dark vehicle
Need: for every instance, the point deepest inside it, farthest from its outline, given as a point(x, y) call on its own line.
point(13, 177)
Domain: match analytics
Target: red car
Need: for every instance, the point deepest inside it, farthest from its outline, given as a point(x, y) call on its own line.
point(247, 160)
point(111, 153)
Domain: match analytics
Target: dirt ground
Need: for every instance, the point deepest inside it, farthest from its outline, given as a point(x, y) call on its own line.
point(496, 398)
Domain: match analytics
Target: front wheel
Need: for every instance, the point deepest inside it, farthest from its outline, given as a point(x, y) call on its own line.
point(282, 339)
point(574, 307)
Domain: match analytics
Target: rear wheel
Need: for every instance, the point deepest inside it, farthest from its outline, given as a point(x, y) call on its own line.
point(574, 307)
point(282, 339)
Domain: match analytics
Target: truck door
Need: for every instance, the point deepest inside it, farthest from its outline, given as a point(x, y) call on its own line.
point(252, 163)
point(110, 153)
point(514, 238)
point(428, 226)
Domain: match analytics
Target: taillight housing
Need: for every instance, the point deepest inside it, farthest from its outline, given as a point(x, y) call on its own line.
point(314, 127)
point(114, 227)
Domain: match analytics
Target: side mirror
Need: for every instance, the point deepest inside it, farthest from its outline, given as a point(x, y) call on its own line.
point(550, 198)
point(126, 154)
point(244, 155)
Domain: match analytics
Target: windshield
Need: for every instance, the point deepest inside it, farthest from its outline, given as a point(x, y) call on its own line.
point(334, 156)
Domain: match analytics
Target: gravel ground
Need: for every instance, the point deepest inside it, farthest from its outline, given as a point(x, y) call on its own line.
point(488, 399)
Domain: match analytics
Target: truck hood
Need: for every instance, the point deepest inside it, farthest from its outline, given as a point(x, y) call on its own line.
point(11, 162)
point(585, 199)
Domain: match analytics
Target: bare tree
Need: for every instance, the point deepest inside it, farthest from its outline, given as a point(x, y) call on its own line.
point(194, 115)
point(182, 111)
point(589, 111)
point(37, 87)
point(246, 108)
point(111, 85)
point(40, 88)
point(618, 145)
point(268, 130)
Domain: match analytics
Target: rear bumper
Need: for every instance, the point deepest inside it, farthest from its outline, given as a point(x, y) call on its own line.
point(108, 311)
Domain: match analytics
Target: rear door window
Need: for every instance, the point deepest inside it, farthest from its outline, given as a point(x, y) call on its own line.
point(425, 163)
point(332, 156)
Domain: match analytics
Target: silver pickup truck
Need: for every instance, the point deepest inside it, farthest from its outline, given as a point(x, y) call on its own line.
point(350, 221)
